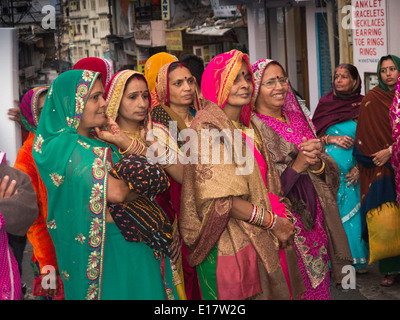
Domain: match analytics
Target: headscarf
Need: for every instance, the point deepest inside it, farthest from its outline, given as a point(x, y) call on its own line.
point(74, 170)
point(96, 65)
point(115, 90)
point(153, 65)
point(218, 78)
point(336, 107)
point(162, 113)
point(29, 108)
point(396, 61)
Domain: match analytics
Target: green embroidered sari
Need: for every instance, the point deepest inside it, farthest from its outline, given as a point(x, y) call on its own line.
point(94, 259)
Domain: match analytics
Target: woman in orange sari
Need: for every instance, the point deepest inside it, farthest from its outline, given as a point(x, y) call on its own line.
point(44, 254)
point(239, 232)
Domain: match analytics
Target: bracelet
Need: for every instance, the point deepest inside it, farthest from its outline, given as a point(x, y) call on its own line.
point(320, 170)
point(390, 150)
point(326, 139)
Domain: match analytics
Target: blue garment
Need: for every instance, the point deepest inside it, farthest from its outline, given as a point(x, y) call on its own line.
point(348, 197)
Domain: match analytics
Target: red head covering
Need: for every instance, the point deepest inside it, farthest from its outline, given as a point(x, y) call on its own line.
point(96, 65)
point(218, 78)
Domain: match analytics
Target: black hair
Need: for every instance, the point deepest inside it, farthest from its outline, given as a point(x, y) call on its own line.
point(195, 64)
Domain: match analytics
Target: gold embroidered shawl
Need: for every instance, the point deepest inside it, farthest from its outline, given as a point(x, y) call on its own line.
point(205, 218)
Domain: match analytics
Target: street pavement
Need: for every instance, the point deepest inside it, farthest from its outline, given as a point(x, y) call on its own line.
point(367, 285)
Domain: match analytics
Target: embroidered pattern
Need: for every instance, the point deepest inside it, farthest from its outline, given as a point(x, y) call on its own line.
point(37, 146)
point(81, 94)
point(80, 238)
point(97, 225)
point(57, 179)
point(51, 224)
point(65, 274)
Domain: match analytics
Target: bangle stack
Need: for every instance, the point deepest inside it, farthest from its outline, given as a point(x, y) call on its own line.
point(257, 218)
point(136, 147)
point(325, 139)
point(320, 170)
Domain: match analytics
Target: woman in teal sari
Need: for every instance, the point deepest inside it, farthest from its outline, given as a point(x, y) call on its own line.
point(95, 260)
point(335, 119)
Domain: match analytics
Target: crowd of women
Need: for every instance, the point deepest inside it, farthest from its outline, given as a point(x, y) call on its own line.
point(123, 214)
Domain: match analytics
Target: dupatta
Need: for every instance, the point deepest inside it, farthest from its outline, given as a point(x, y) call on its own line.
point(335, 108)
point(162, 113)
point(74, 169)
point(151, 68)
point(248, 258)
point(395, 123)
point(376, 183)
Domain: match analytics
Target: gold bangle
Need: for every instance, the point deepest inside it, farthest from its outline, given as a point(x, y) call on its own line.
point(127, 149)
point(320, 170)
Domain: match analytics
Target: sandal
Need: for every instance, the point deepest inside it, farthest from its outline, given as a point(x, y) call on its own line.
point(388, 280)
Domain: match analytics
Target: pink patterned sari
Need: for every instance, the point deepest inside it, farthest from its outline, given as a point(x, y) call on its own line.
point(311, 245)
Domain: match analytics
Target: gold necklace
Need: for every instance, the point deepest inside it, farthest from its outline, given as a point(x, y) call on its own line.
point(189, 120)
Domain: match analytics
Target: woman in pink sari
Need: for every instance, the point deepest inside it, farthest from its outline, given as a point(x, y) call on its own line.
point(309, 178)
point(239, 232)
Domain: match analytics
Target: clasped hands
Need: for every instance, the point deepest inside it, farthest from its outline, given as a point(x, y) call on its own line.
point(308, 156)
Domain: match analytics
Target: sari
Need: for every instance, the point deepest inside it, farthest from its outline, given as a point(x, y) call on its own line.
point(151, 68)
point(44, 253)
point(96, 65)
point(377, 184)
point(395, 123)
point(335, 115)
point(137, 209)
point(320, 239)
point(171, 201)
point(234, 259)
point(94, 259)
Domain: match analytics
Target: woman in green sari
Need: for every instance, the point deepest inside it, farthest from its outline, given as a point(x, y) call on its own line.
point(95, 260)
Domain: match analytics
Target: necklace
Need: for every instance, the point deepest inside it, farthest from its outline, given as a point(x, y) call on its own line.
point(283, 117)
point(135, 134)
point(189, 120)
point(243, 128)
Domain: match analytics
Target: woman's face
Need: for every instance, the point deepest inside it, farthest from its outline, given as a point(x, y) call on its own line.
point(389, 73)
point(273, 88)
point(242, 88)
point(343, 80)
point(135, 101)
point(94, 113)
point(181, 86)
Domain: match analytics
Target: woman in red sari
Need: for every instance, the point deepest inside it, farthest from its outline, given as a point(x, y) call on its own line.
point(237, 229)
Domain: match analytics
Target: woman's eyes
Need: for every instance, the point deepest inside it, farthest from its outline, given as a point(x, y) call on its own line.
point(178, 83)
